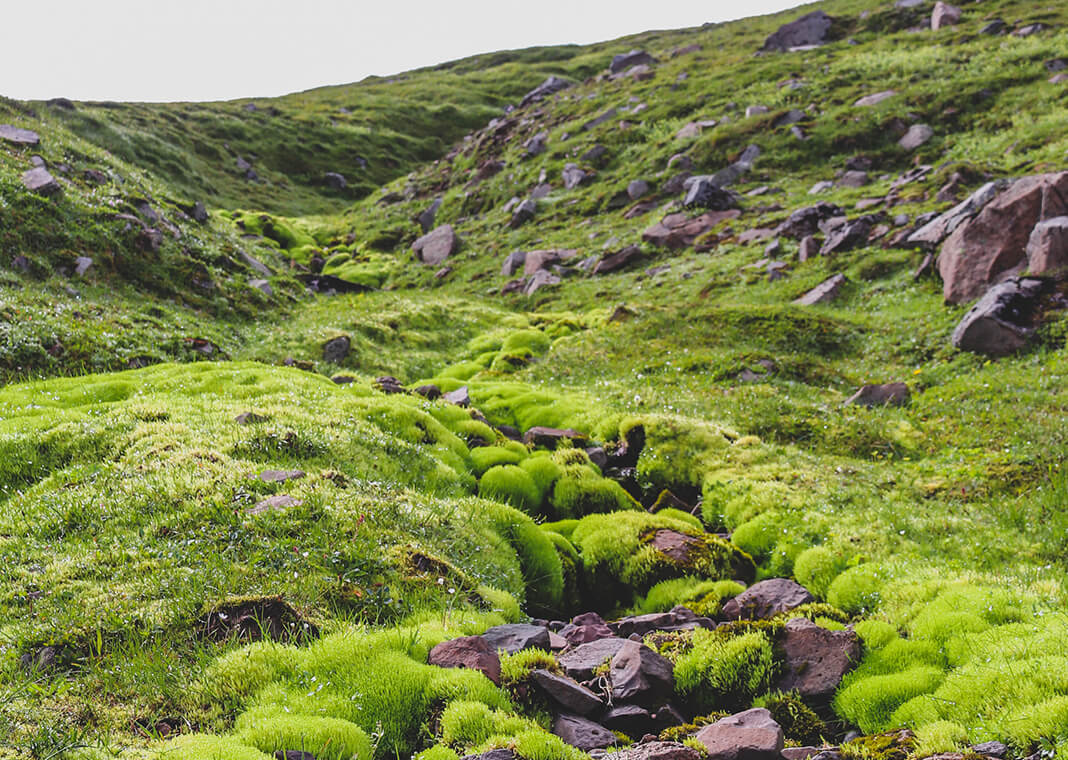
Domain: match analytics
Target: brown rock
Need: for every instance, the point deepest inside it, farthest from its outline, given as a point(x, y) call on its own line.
point(278, 501)
point(993, 244)
point(582, 733)
point(280, 476)
point(1001, 321)
point(815, 660)
point(534, 261)
point(680, 231)
point(655, 751)
point(767, 599)
point(825, 292)
point(641, 676)
point(472, 652)
point(582, 661)
point(749, 735)
point(809, 248)
point(567, 692)
point(618, 260)
point(676, 546)
point(514, 637)
point(887, 394)
point(436, 246)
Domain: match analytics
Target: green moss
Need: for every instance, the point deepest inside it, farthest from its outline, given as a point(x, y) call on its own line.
point(870, 702)
point(724, 673)
point(702, 596)
point(816, 568)
point(858, 590)
point(799, 722)
point(199, 746)
point(512, 485)
point(485, 457)
point(579, 491)
point(438, 752)
point(329, 738)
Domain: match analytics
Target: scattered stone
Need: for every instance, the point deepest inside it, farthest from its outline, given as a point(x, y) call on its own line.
point(262, 285)
point(625, 61)
point(632, 720)
point(810, 29)
point(887, 394)
point(335, 181)
point(280, 476)
point(292, 754)
point(250, 418)
point(655, 750)
point(540, 279)
point(513, 262)
point(1028, 30)
point(680, 231)
point(549, 87)
point(637, 189)
point(678, 619)
point(752, 111)
point(809, 248)
point(1001, 322)
point(594, 154)
point(472, 652)
point(767, 599)
point(278, 501)
point(619, 260)
point(96, 177)
point(992, 749)
point(581, 662)
point(825, 292)
point(150, 239)
point(429, 392)
point(19, 136)
point(944, 15)
point(583, 733)
point(82, 265)
point(805, 222)
point(434, 247)
point(854, 179)
point(608, 115)
point(523, 213)
point(586, 628)
point(641, 676)
point(1059, 78)
point(574, 176)
point(1047, 248)
point(917, 135)
point(547, 437)
point(872, 100)
point(389, 385)
point(821, 187)
point(749, 735)
point(536, 145)
point(995, 27)
point(428, 215)
point(336, 349)
point(459, 397)
point(567, 692)
point(815, 660)
point(534, 261)
point(38, 180)
point(514, 637)
point(847, 236)
point(704, 193)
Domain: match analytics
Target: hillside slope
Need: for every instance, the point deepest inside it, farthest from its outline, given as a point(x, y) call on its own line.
point(689, 322)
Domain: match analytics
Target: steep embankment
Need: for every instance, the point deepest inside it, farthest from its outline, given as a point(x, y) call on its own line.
point(643, 406)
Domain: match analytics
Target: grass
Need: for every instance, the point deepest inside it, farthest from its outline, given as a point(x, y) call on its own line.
point(126, 484)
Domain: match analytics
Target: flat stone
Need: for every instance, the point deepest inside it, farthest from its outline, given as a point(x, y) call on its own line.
point(513, 263)
point(280, 476)
point(547, 437)
point(767, 599)
point(581, 662)
point(654, 751)
point(38, 180)
point(825, 292)
point(540, 279)
point(887, 394)
point(917, 135)
point(810, 29)
point(875, 99)
point(515, 637)
point(19, 136)
point(815, 660)
point(572, 695)
point(583, 733)
point(278, 501)
point(573, 176)
point(619, 260)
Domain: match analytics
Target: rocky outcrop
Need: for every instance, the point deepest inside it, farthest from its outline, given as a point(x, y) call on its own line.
point(1047, 248)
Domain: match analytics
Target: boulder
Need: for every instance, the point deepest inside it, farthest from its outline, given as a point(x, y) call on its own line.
point(533, 261)
point(854, 178)
point(680, 230)
point(917, 135)
point(815, 660)
point(875, 99)
point(537, 144)
point(1001, 322)
point(583, 660)
point(641, 676)
point(809, 248)
point(38, 180)
point(944, 15)
point(573, 176)
point(806, 221)
point(887, 394)
point(846, 236)
point(620, 259)
point(583, 733)
point(19, 136)
point(597, 121)
point(810, 29)
point(1047, 248)
point(825, 292)
point(938, 229)
point(632, 720)
point(586, 628)
point(567, 692)
point(336, 349)
point(472, 652)
point(549, 87)
point(523, 213)
point(515, 637)
point(991, 245)
point(624, 61)
point(540, 279)
point(436, 246)
point(767, 599)
point(678, 619)
point(702, 192)
point(654, 751)
point(749, 735)
point(637, 189)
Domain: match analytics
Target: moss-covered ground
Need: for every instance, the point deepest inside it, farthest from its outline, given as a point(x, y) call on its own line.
point(132, 507)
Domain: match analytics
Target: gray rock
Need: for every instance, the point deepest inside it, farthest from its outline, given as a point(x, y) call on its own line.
point(573, 176)
point(18, 136)
point(428, 215)
point(513, 263)
point(514, 637)
point(704, 193)
point(537, 144)
point(582, 661)
point(1000, 323)
point(938, 229)
point(255, 264)
point(847, 237)
point(38, 180)
point(570, 694)
point(944, 15)
point(810, 29)
point(549, 87)
point(618, 260)
point(583, 733)
point(336, 349)
point(82, 265)
point(992, 749)
point(653, 750)
point(641, 676)
point(875, 99)
point(625, 61)
point(278, 501)
point(434, 247)
point(917, 135)
point(523, 213)
point(854, 179)
point(335, 180)
point(806, 221)
point(1047, 248)
point(460, 396)
point(608, 115)
point(263, 286)
point(809, 248)
point(280, 476)
point(637, 188)
point(995, 27)
point(825, 292)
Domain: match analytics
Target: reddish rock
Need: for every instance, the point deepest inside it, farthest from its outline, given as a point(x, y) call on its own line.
point(641, 676)
point(887, 394)
point(815, 660)
point(749, 735)
point(810, 29)
point(582, 661)
point(568, 693)
point(680, 230)
point(825, 292)
point(1047, 248)
point(618, 260)
point(514, 637)
point(871, 100)
point(809, 248)
point(676, 546)
point(549, 437)
point(472, 652)
point(534, 261)
point(655, 751)
point(436, 246)
point(678, 619)
point(993, 244)
point(767, 599)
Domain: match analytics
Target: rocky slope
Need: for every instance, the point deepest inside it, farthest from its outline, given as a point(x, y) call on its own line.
point(704, 399)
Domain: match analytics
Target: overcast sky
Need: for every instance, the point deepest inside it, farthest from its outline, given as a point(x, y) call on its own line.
point(220, 49)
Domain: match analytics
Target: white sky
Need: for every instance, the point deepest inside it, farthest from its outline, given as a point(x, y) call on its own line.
point(164, 50)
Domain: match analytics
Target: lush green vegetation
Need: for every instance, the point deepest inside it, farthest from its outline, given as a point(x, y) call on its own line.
point(132, 511)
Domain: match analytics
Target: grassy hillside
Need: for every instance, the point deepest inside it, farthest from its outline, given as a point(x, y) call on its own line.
point(230, 525)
